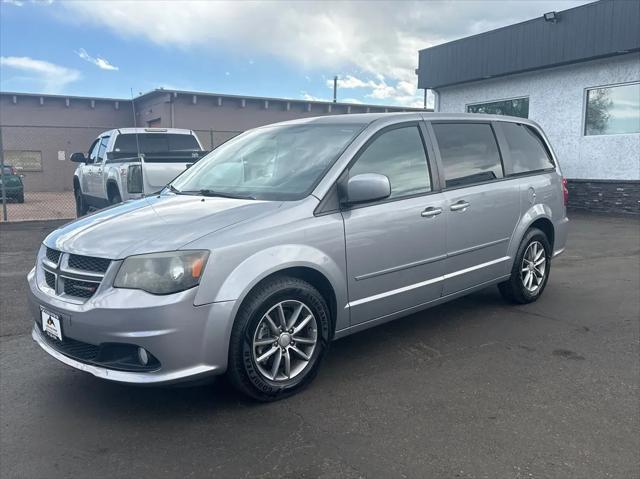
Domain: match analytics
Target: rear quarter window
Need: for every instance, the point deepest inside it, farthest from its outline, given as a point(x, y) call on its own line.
point(526, 149)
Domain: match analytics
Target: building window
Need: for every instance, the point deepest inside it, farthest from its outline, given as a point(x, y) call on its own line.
point(23, 160)
point(613, 110)
point(514, 107)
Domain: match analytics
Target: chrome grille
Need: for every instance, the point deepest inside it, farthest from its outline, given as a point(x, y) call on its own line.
point(72, 276)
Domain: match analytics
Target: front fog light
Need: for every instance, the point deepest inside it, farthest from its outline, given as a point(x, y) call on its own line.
point(143, 357)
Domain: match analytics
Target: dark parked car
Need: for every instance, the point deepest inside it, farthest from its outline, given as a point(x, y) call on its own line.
point(13, 187)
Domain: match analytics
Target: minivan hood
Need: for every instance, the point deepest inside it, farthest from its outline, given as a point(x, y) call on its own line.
point(152, 224)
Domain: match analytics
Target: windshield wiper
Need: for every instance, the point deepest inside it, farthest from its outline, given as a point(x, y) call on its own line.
point(225, 195)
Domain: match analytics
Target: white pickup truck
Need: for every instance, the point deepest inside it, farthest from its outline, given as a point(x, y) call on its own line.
point(129, 163)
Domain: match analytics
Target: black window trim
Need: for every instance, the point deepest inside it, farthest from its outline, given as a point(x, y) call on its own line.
point(436, 147)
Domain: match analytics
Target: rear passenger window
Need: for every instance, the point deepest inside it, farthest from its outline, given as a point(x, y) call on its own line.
point(399, 154)
point(469, 153)
point(527, 151)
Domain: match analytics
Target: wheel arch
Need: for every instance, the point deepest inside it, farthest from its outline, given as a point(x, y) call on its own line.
point(316, 279)
point(303, 262)
point(538, 216)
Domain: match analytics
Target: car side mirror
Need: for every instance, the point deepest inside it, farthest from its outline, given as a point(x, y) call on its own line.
point(78, 158)
point(367, 187)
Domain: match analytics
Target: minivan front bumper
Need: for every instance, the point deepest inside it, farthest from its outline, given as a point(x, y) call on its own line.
point(188, 341)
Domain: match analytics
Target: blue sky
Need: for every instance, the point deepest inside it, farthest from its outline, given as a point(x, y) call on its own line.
point(276, 49)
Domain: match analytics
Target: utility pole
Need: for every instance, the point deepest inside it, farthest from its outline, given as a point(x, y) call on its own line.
point(4, 196)
point(335, 89)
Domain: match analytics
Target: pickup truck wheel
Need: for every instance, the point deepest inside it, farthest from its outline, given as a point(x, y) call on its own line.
point(81, 206)
point(278, 340)
point(114, 197)
point(530, 272)
point(21, 198)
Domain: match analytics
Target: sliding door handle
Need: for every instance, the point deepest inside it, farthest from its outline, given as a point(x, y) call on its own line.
point(459, 206)
point(430, 212)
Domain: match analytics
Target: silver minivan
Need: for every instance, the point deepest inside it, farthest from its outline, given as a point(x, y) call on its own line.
point(295, 234)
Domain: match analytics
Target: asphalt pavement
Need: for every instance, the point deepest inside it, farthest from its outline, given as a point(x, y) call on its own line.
point(472, 389)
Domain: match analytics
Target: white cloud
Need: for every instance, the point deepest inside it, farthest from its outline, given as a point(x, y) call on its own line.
point(52, 78)
point(100, 62)
point(309, 97)
point(378, 41)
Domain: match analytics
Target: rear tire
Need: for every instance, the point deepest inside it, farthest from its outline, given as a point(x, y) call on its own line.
point(114, 196)
point(81, 205)
point(530, 271)
point(21, 198)
point(271, 360)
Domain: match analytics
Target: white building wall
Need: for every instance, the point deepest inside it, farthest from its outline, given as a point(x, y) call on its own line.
point(556, 102)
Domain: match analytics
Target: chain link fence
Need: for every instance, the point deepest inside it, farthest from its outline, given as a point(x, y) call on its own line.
point(36, 177)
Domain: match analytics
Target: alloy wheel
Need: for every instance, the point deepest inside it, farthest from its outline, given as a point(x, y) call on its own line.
point(284, 341)
point(534, 267)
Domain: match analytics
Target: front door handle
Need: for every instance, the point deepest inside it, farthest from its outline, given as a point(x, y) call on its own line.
point(430, 212)
point(459, 206)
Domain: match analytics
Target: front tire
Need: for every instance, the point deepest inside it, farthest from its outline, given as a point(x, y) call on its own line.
point(530, 271)
point(279, 338)
point(81, 205)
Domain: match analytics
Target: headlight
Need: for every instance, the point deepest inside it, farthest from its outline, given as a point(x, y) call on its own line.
point(162, 273)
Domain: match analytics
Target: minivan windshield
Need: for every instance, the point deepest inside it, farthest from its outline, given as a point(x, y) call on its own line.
point(281, 162)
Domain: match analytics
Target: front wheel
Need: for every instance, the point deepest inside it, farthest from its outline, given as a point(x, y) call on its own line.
point(278, 340)
point(530, 272)
point(81, 206)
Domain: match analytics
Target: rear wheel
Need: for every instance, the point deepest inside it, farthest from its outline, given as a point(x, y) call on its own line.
point(81, 206)
point(114, 196)
point(278, 340)
point(21, 198)
point(530, 271)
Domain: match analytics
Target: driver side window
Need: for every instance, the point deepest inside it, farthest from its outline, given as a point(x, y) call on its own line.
point(93, 151)
point(399, 155)
point(101, 150)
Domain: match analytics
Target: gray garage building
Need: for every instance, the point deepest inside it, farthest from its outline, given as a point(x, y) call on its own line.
point(39, 132)
point(577, 73)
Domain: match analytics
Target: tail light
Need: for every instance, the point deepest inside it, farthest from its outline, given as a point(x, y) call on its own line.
point(565, 191)
point(134, 179)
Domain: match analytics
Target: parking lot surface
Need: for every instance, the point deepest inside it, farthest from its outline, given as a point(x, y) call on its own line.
point(42, 205)
point(472, 389)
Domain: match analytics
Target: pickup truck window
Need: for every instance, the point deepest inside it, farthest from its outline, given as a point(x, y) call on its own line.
point(93, 150)
point(102, 149)
point(155, 143)
point(270, 163)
